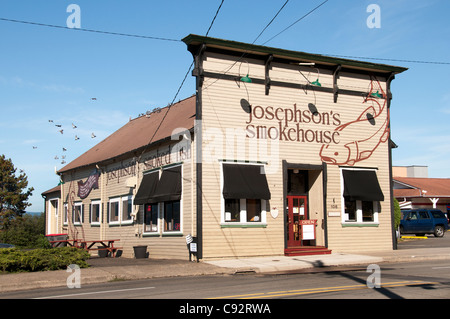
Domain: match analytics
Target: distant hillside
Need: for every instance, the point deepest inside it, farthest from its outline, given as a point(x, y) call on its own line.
point(34, 213)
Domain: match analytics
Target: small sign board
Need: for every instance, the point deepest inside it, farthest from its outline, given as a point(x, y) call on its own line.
point(308, 229)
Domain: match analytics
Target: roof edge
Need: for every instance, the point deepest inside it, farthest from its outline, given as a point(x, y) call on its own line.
point(193, 39)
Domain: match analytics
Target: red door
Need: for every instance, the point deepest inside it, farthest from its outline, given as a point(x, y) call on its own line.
point(297, 210)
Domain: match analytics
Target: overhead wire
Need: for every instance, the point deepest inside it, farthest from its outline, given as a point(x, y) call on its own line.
point(243, 55)
point(182, 83)
point(90, 30)
point(298, 20)
point(386, 59)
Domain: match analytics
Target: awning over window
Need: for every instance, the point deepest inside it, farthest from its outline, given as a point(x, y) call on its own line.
point(362, 185)
point(147, 188)
point(169, 186)
point(245, 181)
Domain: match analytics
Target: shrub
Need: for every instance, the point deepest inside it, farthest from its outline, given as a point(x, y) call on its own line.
point(14, 260)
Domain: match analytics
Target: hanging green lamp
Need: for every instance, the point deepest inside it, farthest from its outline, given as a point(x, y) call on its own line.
point(246, 79)
point(316, 83)
point(377, 94)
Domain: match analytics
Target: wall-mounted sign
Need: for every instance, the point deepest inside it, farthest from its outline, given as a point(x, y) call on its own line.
point(84, 188)
point(290, 123)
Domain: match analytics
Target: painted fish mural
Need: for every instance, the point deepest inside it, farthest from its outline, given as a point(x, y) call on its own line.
point(373, 122)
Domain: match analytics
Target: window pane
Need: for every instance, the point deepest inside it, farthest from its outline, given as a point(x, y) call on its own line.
point(114, 212)
point(77, 211)
point(95, 213)
point(151, 218)
point(253, 210)
point(367, 211)
point(350, 209)
point(66, 214)
point(172, 216)
point(126, 209)
point(232, 210)
point(424, 215)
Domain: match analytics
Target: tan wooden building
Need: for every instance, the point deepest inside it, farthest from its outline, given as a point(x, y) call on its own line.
point(278, 153)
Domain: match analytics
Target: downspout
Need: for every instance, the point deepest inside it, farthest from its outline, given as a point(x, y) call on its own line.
point(391, 181)
point(198, 73)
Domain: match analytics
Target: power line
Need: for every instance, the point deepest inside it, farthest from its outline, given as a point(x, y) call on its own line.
point(90, 30)
point(270, 21)
point(304, 16)
point(214, 19)
point(181, 85)
point(386, 59)
point(245, 53)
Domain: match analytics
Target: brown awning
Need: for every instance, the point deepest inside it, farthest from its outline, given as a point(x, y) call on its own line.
point(147, 188)
point(362, 185)
point(169, 186)
point(245, 181)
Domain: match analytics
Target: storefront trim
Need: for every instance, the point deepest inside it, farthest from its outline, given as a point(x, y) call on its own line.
point(349, 224)
point(243, 225)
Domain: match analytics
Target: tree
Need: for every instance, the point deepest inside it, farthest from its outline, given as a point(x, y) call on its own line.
point(397, 213)
point(13, 192)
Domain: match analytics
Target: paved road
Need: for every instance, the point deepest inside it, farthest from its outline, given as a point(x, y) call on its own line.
point(422, 280)
point(430, 242)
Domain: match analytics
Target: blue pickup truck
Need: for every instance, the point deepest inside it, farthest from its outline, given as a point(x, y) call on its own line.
point(423, 221)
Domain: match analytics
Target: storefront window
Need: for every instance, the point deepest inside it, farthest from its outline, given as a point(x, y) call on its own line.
point(172, 216)
point(359, 211)
point(361, 196)
point(151, 218)
point(243, 210)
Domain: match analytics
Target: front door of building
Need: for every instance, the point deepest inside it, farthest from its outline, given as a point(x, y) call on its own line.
point(297, 211)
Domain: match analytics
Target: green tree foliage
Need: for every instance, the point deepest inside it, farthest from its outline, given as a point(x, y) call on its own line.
point(397, 213)
point(27, 231)
point(13, 193)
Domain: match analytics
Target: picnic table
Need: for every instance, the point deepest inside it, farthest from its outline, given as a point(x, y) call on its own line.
point(103, 244)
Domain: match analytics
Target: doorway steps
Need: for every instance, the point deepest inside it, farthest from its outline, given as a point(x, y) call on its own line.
point(307, 250)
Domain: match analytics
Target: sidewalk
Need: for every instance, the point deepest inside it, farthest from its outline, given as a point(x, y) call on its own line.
point(109, 269)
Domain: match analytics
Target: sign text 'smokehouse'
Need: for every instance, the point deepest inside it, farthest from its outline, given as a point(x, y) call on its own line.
point(289, 124)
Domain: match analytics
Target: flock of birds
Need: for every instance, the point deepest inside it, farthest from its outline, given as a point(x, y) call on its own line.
point(61, 130)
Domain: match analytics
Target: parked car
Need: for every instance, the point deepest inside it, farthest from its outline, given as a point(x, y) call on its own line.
point(6, 245)
point(424, 221)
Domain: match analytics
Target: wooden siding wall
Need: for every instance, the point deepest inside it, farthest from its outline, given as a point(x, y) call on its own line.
point(224, 119)
point(114, 182)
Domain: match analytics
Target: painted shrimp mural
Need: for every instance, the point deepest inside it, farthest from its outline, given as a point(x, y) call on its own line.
point(373, 125)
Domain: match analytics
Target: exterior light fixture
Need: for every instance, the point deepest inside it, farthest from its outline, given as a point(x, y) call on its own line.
point(246, 79)
point(376, 94)
point(316, 83)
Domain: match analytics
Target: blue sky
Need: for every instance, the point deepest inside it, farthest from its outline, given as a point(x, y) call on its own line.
point(54, 73)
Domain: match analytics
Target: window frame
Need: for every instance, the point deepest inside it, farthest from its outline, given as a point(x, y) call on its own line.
point(74, 208)
point(359, 221)
point(65, 214)
point(242, 223)
point(91, 207)
point(150, 232)
point(119, 202)
point(163, 218)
